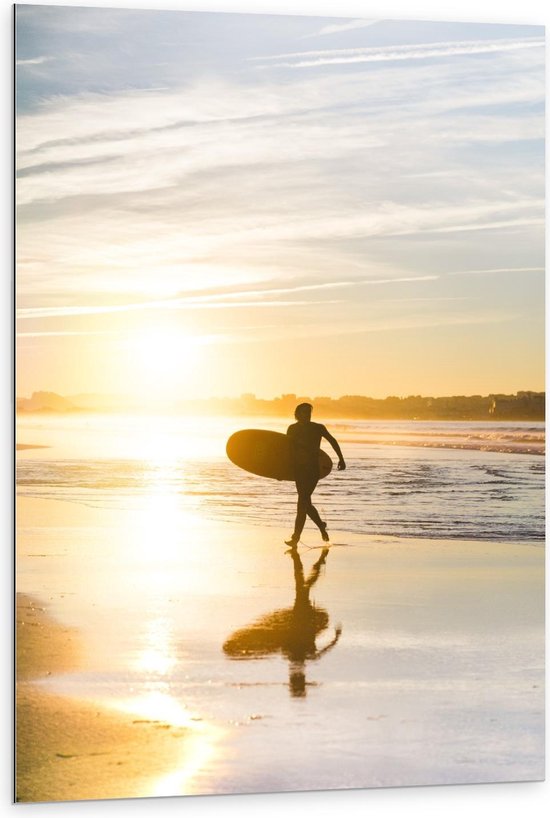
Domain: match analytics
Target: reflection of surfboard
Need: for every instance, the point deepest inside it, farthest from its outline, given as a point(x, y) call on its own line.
point(289, 630)
point(267, 454)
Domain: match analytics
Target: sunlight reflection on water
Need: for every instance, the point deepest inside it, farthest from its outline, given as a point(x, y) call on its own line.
point(199, 745)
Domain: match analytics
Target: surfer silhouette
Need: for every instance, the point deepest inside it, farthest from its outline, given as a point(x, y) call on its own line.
point(305, 440)
point(291, 631)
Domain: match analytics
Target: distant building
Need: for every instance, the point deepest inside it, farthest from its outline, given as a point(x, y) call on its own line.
point(522, 406)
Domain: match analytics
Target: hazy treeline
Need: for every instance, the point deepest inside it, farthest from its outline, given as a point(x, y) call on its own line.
point(521, 406)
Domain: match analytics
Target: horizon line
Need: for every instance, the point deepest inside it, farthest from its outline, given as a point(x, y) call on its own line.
point(284, 395)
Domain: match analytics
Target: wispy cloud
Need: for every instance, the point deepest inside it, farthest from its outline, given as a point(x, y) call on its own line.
point(489, 225)
point(337, 28)
point(34, 61)
point(419, 51)
point(125, 336)
point(383, 322)
point(331, 285)
point(497, 270)
point(64, 312)
point(224, 300)
point(65, 333)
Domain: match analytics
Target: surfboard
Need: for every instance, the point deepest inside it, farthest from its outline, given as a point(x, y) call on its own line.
point(267, 454)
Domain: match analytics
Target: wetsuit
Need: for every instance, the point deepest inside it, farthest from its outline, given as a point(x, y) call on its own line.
point(305, 442)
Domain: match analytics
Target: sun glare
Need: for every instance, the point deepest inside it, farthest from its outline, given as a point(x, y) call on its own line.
point(161, 360)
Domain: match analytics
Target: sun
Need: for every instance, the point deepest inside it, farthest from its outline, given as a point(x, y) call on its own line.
point(160, 360)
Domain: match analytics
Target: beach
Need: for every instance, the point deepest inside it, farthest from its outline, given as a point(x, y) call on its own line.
point(71, 749)
point(158, 656)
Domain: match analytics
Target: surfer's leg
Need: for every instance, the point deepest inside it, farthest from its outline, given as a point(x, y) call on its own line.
point(306, 481)
point(301, 513)
point(299, 523)
point(322, 526)
point(313, 514)
point(309, 487)
point(311, 511)
point(304, 500)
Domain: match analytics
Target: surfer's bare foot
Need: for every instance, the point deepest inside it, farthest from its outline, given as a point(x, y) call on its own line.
point(323, 558)
point(324, 533)
point(293, 542)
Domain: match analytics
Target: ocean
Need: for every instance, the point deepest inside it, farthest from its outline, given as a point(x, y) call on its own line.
point(448, 480)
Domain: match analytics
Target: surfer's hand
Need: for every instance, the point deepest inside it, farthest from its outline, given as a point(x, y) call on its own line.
point(341, 465)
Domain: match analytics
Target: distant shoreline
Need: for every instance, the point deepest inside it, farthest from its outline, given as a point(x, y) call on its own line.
point(320, 414)
point(522, 406)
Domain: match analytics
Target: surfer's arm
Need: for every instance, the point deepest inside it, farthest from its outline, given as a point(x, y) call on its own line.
point(334, 443)
point(290, 433)
point(337, 632)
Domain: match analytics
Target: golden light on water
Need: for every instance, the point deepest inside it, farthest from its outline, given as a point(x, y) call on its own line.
point(169, 443)
point(157, 547)
point(164, 440)
point(199, 745)
point(157, 706)
point(158, 654)
point(200, 751)
point(161, 520)
point(155, 441)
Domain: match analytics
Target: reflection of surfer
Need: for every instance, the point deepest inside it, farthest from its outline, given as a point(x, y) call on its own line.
point(305, 441)
point(292, 631)
point(307, 622)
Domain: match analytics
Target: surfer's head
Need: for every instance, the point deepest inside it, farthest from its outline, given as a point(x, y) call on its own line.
point(303, 411)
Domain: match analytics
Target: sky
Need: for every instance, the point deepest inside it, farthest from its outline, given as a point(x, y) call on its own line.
point(212, 204)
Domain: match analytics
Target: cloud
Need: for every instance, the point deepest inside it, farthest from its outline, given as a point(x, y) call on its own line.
point(497, 270)
point(155, 193)
point(93, 124)
point(57, 312)
point(222, 300)
point(34, 61)
point(393, 219)
point(490, 225)
point(420, 51)
point(383, 322)
point(64, 333)
point(337, 28)
point(161, 160)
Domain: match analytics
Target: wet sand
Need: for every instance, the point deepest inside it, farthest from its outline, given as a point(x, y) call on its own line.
point(70, 749)
point(181, 655)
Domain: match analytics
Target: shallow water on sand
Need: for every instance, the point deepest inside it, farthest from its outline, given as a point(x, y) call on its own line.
point(403, 663)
